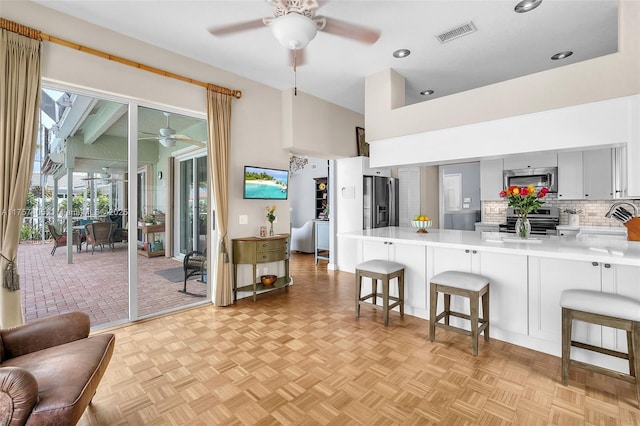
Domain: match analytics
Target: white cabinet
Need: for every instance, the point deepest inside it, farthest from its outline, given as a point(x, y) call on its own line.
point(570, 180)
point(413, 257)
point(491, 179)
point(409, 194)
point(549, 277)
point(507, 274)
point(598, 174)
point(531, 160)
point(368, 171)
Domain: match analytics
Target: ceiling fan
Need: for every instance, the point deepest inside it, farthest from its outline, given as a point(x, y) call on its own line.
point(295, 24)
point(168, 137)
point(105, 176)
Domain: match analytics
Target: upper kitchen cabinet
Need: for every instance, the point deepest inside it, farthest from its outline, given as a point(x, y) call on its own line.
point(491, 180)
point(597, 174)
point(531, 160)
point(570, 180)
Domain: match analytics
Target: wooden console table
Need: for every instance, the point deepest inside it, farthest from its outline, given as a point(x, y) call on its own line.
point(149, 231)
point(255, 250)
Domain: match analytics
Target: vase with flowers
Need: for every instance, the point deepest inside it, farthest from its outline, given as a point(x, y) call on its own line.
point(524, 200)
point(271, 216)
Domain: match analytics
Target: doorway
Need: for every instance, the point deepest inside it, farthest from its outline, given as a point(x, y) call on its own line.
point(192, 201)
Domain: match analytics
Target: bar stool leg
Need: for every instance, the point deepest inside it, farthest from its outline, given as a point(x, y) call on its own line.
point(385, 301)
point(433, 305)
point(358, 291)
point(374, 290)
point(485, 314)
point(566, 344)
point(447, 307)
point(635, 338)
point(401, 291)
point(474, 301)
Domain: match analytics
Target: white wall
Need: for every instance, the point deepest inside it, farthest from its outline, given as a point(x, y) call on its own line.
point(318, 128)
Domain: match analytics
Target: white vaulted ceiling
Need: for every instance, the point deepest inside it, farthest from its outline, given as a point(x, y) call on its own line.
point(506, 45)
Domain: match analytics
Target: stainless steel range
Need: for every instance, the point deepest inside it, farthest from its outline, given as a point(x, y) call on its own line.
point(543, 221)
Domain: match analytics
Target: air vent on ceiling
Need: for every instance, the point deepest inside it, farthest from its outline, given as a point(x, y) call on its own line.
point(457, 32)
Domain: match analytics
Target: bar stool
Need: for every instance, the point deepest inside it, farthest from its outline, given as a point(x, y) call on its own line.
point(384, 271)
point(465, 284)
point(607, 309)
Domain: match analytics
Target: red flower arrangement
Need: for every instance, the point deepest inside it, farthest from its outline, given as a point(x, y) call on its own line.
point(524, 200)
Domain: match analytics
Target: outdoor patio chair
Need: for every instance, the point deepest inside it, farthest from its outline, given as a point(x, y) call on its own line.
point(100, 233)
point(194, 263)
point(60, 239)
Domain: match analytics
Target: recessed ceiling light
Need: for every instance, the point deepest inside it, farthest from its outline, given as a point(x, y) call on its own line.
point(401, 53)
point(562, 55)
point(527, 5)
point(426, 92)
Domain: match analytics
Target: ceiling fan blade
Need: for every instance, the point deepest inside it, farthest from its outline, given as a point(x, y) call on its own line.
point(352, 31)
point(297, 57)
point(234, 28)
point(187, 139)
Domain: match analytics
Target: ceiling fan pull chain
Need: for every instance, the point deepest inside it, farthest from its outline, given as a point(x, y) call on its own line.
point(295, 75)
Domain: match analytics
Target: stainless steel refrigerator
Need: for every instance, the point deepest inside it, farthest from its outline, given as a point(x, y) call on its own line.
point(380, 206)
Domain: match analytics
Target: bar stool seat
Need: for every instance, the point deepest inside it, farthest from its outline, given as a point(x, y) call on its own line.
point(472, 286)
point(385, 271)
point(607, 309)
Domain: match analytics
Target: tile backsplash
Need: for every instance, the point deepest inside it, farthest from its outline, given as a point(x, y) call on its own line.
point(592, 212)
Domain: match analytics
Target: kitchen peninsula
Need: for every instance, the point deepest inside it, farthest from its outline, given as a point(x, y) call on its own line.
point(527, 279)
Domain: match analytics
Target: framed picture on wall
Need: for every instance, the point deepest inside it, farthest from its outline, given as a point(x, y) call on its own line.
point(363, 146)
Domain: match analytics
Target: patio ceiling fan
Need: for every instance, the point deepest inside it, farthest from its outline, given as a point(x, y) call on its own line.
point(105, 176)
point(295, 23)
point(167, 136)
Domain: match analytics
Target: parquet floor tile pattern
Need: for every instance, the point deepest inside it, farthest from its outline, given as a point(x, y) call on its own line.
point(302, 358)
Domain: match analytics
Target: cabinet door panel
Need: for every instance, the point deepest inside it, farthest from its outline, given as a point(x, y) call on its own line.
point(548, 278)
point(598, 174)
point(415, 286)
point(570, 176)
point(623, 280)
point(507, 290)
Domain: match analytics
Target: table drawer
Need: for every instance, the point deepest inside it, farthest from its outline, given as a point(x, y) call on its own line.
point(271, 256)
point(271, 245)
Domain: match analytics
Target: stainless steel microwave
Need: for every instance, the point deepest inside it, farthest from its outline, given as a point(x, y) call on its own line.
point(538, 177)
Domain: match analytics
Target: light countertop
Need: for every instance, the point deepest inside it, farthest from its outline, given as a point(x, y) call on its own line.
point(589, 248)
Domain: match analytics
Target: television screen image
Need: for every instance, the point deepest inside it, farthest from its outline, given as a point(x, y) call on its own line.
point(265, 184)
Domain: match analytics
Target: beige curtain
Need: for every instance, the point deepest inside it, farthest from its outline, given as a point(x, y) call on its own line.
point(20, 62)
point(219, 120)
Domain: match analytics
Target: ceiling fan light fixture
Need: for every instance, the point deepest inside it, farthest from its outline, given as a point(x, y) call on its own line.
point(294, 31)
point(167, 142)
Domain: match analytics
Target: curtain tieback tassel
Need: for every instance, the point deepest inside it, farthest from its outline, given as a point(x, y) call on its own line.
point(10, 279)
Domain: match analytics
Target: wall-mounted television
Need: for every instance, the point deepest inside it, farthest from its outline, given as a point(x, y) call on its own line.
point(261, 183)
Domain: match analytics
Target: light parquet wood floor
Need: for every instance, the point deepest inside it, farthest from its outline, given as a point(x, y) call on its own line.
point(301, 357)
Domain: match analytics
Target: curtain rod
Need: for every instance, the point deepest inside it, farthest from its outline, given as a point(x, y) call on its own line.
point(38, 35)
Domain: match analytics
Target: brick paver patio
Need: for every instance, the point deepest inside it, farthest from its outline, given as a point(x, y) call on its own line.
point(96, 284)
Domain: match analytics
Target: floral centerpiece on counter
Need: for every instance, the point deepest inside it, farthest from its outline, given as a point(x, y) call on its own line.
point(524, 200)
point(271, 216)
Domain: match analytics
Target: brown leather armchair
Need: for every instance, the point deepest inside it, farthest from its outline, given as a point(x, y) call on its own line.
point(50, 369)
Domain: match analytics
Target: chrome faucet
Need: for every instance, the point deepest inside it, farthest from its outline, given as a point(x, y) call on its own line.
point(618, 203)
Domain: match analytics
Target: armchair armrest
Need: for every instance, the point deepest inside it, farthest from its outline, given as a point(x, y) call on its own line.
point(45, 333)
point(19, 390)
